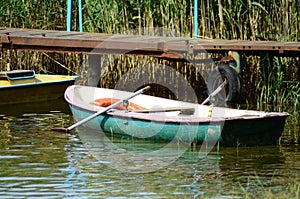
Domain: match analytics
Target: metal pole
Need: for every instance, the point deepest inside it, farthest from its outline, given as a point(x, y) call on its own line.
point(80, 15)
point(195, 19)
point(69, 15)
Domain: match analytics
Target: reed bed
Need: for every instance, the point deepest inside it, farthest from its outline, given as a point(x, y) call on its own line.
point(229, 19)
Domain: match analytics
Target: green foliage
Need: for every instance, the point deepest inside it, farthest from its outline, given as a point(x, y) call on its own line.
point(277, 93)
point(228, 19)
point(120, 16)
point(32, 14)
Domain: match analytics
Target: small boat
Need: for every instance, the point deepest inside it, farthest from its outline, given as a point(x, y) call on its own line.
point(21, 86)
point(167, 120)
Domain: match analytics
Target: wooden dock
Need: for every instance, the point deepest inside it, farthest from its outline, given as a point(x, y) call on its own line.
point(166, 47)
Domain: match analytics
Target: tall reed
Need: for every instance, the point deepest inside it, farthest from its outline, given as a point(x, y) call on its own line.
point(277, 92)
point(226, 19)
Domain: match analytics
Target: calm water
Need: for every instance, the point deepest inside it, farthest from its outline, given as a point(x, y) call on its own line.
point(38, 163)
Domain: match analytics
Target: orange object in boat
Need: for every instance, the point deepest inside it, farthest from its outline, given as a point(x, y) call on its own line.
point(105, 102)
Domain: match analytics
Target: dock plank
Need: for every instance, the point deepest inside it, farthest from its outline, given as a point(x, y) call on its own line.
point(83, 42)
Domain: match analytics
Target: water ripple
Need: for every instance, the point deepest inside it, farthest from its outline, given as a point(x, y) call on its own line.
point(38, 163)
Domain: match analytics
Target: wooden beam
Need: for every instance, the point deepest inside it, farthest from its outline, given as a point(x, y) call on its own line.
point(164, 47)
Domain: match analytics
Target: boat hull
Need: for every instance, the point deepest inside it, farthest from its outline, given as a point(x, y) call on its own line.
point(250, 132)
point(253, 132)
point(153, 130)
point(48, 88)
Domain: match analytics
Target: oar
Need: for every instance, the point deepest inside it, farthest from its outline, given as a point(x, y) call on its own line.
point(184, 111)
point(215, 92)
point(101, 111)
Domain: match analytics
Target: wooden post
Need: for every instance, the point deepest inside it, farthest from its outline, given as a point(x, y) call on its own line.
point(94, 69)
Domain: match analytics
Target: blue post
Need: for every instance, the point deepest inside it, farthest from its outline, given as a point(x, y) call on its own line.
point(69, 15)
point(195, 19)
point(80, 15)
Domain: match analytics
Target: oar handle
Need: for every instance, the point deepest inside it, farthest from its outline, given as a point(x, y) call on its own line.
point(107, 108)
point(215, 92)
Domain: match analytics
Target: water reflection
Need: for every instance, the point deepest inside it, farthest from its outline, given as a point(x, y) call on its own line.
point(230, 171)
point(45, 107)
point(36, 162)
point(130, 155)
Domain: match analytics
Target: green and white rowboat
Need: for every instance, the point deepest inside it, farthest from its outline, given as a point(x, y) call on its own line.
point(167, 120)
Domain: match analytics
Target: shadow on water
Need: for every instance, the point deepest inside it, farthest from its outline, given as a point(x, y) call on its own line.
point(59, 105)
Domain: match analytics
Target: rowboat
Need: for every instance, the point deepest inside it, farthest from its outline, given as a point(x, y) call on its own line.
point(167, 120)
point(21, 86)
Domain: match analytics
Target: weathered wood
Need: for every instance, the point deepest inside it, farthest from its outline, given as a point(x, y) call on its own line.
point(165, 47)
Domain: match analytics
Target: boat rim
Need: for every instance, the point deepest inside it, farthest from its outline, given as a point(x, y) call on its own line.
point(161, 117)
